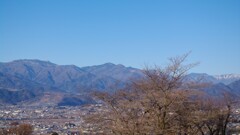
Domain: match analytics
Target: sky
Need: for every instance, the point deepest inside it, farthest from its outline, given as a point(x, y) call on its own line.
point(129, 32)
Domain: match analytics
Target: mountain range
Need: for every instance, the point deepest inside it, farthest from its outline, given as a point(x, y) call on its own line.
point(42, 82)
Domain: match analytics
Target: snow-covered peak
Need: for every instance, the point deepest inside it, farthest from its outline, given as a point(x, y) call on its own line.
point(227, 76)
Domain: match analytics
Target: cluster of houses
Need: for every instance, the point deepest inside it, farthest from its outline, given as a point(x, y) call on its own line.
point(46, 120)
point(68, 120)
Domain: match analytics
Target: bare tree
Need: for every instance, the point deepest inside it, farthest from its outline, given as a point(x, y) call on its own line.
point(213, 114)
point(161, 103)
point(22, 129)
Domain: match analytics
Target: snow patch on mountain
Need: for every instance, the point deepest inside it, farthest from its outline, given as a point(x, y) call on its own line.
point(227, 76)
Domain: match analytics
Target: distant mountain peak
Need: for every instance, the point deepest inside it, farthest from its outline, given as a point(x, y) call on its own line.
point(33, 61)
point(30, 60)
point(227, 76)
point(199, 74)
point(120, 65)
point(108, 64)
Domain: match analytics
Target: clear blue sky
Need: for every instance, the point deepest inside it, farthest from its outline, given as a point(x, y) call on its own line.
point(129, 32)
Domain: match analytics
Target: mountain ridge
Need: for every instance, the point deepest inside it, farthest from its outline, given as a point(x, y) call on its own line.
point(36, 77)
